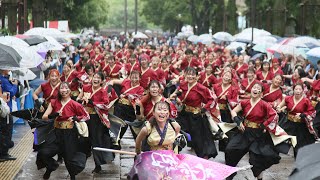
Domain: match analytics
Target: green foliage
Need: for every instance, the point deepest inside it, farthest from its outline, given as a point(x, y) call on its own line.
point(165, 13)
point(116, 15)
point(79, 13)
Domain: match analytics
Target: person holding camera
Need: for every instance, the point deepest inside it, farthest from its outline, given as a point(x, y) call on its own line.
point(9, 89)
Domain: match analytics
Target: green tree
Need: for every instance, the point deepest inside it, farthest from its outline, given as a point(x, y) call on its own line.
point(79, 13)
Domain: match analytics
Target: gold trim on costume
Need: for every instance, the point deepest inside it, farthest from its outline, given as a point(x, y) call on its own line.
point(294, 118)
point(125, 101)
point(223, 106)
point(90, 110)
point(194, 110)
point(251, 124)
point(63, 124)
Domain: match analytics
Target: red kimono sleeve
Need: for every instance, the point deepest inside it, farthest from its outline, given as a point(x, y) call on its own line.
point(208, 98)
point(271, 123)
point(81, 113)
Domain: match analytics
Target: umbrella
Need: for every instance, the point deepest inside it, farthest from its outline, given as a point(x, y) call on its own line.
point(313, 55)
point(9, 58)
point(307, 164)
point(246, 35)
point(11, 40)
point(288, 49)
point(262, 47)
point(30, 58)
point(181, 35)
point(34, 40)
point(51, 44)
point(256, 56)
point(26, 74)
point(315, 52)
point(302, 41)
point(61, 40)
point(235, 45)
point(265, 40)
point(205, 39)
point(44, 32)
point(256, 31)
point(193, 38)
point(139, 35)
point(223, 36)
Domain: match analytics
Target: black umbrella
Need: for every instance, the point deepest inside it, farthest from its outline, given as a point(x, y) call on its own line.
point(9, 57)
point(34, 40)
point(307, 164)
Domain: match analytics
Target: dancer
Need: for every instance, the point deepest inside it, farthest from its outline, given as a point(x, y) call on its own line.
point(94, 95)
point(160, 131)
point(130, 91)
point(227, 98)
point(247, 83)
point(300, 117)
point(49, 90)
point(70, 75)
point(251, 136)
point(191, 96)
point(64, 111)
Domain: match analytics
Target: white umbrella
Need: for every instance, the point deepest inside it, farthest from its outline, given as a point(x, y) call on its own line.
point(25, 75)
point(256, 31)
point(265, 40)
point(11, 41)
point(68, 35)
point(52, 44)
point(303, 41)
point(262, 47)
point(223, 36)
point(139, 35)
point(315, 52)
point(193, 38)
point(30, 58)
point(44, 32)
point(205, 38)
point(235, 45)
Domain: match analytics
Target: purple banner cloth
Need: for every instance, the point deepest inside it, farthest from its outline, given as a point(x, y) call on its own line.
point(163, 164)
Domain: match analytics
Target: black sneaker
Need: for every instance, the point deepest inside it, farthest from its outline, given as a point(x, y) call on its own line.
point(7, 158)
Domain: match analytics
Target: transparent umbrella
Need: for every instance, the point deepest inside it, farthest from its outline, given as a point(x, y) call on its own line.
point(223, 36)
point(193, 38)
point(11, 40)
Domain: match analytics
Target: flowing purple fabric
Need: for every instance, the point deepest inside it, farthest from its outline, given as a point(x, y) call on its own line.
point(165, 164)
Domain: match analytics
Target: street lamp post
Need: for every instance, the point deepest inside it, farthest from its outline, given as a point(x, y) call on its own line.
point(136, 16)
point(125, 17)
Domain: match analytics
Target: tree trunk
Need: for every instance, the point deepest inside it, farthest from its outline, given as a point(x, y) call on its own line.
point(12, 17)
point(38, 13)
point(231, 17)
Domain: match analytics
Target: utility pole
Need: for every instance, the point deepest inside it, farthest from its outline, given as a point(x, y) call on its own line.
point(253, 12)
point(125, 17)
point(25, 15)
point(136, 16)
